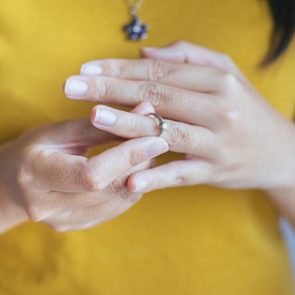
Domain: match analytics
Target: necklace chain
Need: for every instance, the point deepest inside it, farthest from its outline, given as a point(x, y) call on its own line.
point(133, 8)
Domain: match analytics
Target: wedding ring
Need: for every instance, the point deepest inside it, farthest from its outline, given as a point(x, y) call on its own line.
point(161, 123)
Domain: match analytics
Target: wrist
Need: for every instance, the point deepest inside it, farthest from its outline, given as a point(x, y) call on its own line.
point(11, 213)
point(281, 163)
point(281, 187)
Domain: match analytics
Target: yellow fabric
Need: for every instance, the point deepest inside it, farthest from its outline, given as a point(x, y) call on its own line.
point(195, 240)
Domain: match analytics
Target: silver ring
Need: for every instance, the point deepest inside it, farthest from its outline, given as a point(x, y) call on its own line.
point(162, 124)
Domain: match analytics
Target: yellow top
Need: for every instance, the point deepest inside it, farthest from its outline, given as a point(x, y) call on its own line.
point(194, 240)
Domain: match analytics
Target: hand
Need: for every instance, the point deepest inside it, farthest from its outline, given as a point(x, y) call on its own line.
point(46, 173)
point(231, 136)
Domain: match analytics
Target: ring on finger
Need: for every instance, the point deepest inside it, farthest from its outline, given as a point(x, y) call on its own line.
point(161, 123)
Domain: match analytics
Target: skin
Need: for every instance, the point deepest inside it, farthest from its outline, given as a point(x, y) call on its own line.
point(231, 137)
point(47, 177)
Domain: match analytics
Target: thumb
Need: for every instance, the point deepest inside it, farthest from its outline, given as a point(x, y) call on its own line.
point(81, 132)
point(72, 134)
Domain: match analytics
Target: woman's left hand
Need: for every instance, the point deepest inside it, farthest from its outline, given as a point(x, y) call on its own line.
point(231, 136)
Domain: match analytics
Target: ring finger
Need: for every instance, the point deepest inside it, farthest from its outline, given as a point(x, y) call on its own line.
point(181, 137)
point(171, 102)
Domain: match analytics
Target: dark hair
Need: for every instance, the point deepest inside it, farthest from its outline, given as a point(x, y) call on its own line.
point(283, 14)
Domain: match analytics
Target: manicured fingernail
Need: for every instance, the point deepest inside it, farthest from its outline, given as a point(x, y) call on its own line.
point(140, 185)
point(156, 148)
point(104, 117)
point(75, 88)
point(91, 70)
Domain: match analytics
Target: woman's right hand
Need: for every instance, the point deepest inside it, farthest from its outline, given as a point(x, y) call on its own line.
point(45, 173)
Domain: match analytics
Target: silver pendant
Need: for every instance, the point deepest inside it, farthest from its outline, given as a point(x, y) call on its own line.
point(136, 30)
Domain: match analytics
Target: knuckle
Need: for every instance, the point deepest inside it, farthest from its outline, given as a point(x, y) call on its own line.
point(133, 126)
point(154, 93)
point(41, 156)
point(184, 180)
point(118, 185)
point(136, 157)
point(202, 177)
point(229, 81)
point(181, 178)
point(157, 70)
point(226, 114)
point(91, 182)
point(115, 69)
point(22, 176)
point(34, 213)
point(102, 88)
point(178, 135)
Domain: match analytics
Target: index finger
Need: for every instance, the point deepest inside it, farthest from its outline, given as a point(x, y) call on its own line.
point(192, 77)
point(58, 171)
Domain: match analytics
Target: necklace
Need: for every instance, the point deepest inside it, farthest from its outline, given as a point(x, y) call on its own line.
point(135, 29)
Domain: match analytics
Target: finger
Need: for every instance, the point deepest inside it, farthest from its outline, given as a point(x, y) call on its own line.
point(58, 205)
point(173, 174)
point(57, 171)
point(180, 137)
point(170, 102)
point(144, 108)
point(191, 77)
point(72, 134)
point(123, 124)
point(184, 52)
point(193, 54)
point(112, 163)
point(55, 204)
point(91, 216)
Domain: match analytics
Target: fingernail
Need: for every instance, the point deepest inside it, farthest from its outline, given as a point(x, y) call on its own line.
point(75, 88)
point(104, 117)
point(140, 185)
point(156, 148)
point(91, 70)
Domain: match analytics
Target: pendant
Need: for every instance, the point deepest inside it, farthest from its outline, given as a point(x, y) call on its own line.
point(136, 30)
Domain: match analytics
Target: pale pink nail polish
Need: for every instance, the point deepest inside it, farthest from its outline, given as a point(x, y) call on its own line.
point(105, 117)
point(75, 88)
point(91, 70)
